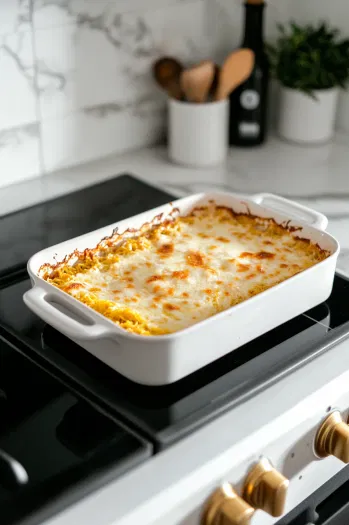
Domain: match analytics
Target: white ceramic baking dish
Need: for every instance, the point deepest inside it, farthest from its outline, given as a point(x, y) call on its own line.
point(158, 360)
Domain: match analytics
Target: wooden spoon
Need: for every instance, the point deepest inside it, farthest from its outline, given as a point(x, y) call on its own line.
point(197, 81)
point(167, 72)
point(214, 85)
point(236, 69)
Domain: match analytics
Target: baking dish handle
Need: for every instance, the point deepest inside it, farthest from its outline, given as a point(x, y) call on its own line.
point(293, 209)
point(37, 300)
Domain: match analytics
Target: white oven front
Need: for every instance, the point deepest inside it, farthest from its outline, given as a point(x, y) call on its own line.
point(278, 426)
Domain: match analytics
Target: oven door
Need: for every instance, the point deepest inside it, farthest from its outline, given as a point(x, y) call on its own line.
point(329, 505)
point(336, 511)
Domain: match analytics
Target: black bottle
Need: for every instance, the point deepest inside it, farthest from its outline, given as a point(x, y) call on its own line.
point(248, 103)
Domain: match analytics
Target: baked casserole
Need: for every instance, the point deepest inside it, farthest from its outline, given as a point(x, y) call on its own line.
point(171, 274)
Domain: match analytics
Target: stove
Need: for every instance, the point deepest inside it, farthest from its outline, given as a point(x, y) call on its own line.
point(70, 425)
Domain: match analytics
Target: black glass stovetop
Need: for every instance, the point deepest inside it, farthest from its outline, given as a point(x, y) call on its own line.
point(64, 446)
point(51, 222)
point(162, 415)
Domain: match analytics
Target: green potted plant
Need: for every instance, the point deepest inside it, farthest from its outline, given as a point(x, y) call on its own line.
point(311, 64)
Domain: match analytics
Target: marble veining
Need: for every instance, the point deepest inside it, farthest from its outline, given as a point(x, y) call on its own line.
point(78, 72)
point(16, 48)
point(130, 34)
point(102, 110)
point(99, 67)
point(141, 107)
point(47, 79)
point(19, 153)
point(15, 15)
point(13, 135)
point(107, 57)
point(77, 69)
point(19, 121)
point(49, 13)
point(25, 11)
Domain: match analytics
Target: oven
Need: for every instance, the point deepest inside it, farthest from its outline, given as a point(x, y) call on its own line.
point(278, 427)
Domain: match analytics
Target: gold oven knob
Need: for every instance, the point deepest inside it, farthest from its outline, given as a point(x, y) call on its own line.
point(332, 438)
point(225, 507)
point(265, 488)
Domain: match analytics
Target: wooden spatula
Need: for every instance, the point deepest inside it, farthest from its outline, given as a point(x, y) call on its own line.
point(236, 69)
point(196, 81)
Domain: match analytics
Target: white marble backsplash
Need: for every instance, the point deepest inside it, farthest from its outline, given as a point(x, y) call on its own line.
point(75, 74)
point(75, 77)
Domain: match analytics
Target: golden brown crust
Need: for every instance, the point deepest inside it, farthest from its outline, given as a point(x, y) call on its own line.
point(108, 255)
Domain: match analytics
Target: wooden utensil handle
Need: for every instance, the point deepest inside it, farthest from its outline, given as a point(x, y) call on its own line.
point(174, 91)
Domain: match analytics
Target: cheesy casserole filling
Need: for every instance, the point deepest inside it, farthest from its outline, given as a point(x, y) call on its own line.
point(175, 274)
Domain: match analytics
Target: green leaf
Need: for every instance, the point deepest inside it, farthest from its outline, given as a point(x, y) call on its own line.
point(310, 57)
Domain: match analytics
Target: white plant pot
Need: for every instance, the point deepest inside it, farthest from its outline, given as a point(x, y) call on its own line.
point(305, 119)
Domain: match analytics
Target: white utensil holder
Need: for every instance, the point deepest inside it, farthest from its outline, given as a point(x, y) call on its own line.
point(198, 133)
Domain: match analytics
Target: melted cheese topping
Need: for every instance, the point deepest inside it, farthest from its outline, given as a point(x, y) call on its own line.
point(185, 270)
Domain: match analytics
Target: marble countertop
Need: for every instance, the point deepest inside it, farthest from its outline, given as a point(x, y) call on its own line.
point(315, 176)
